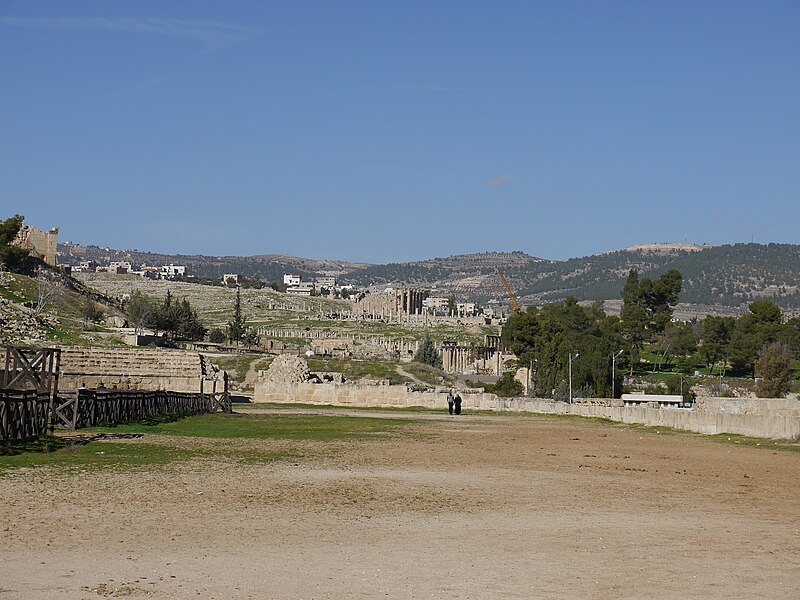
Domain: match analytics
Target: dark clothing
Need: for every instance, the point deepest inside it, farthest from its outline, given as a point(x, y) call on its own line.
point(458, 404)
point(450, 401)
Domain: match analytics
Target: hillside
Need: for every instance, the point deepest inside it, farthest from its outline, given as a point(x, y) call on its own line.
point(269, 267)
point(728, 276)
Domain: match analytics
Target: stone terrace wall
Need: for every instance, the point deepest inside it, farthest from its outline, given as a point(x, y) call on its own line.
point(131, 368)
point(347, 394)
point(766, 418)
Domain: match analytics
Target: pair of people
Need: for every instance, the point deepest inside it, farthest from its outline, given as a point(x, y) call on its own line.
point(453, 403)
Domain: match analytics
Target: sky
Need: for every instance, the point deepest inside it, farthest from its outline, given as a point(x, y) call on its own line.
point(396, 131)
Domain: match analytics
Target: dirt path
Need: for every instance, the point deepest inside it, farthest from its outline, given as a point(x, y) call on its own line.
point(470, 507)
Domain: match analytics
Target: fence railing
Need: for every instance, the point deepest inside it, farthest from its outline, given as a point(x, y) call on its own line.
point(86, 408)
point(23, 415)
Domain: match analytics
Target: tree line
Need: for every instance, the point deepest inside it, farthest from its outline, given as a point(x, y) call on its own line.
point(760, 342)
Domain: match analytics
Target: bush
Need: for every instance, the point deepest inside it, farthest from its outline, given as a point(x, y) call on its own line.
point(216, 336)
point(508, 387)
point(427, 354)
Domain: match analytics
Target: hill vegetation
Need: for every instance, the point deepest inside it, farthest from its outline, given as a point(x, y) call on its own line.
point(729, 276)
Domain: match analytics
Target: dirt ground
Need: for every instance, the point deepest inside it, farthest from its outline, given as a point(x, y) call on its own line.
point(452, 507)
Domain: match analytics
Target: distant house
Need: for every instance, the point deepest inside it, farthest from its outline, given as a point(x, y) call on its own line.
point(328, 283)
point(171, 271)
point(291, 279)
point(302, 289)
point(436, 303)
point(120, 267)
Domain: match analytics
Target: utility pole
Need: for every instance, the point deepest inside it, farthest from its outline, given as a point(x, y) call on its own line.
point(613, 373)
point(577, 354)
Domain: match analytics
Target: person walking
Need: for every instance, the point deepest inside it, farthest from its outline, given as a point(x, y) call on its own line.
point(450, 401)
point(457, 402)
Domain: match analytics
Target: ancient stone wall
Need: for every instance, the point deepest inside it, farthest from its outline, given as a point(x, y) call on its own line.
point(42, 244)
point(764, 418)
point(136, 369)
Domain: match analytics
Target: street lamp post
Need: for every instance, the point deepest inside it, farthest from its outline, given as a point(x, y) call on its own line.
point(577, 354)
point(530, 374)
point(613, 372)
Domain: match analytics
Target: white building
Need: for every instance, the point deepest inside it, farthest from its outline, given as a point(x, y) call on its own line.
point(170, 271)
point(291, 279)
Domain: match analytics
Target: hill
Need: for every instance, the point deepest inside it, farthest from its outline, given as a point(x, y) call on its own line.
point(269, 267)
point(727, 276)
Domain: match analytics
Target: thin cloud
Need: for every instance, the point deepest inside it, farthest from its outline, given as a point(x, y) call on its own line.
point(211, 33)
point(499, 182)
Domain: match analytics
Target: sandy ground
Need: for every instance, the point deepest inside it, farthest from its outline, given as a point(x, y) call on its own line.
point(468, 507)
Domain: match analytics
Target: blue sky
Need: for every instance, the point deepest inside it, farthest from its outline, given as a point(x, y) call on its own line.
point(393, 131)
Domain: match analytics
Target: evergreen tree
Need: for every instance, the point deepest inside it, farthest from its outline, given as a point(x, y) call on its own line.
point(427, 354)
point(774, 370)
point(11, 257)
point(236, 327)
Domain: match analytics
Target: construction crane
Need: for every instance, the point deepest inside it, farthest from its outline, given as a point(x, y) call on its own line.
point(514, 304)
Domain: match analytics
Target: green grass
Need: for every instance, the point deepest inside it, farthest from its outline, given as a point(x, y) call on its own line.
point(7, 294)
point(96, 455)
point(68, 454)
point(255, 426)
point(358, 369)
point(428, 374)
point(726, 438)
point(238, 365)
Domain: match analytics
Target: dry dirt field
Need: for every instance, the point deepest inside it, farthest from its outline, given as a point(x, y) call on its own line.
point(445, 507)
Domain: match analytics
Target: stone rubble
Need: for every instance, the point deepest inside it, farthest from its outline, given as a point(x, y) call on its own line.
point(288, 368)
point(19, 324)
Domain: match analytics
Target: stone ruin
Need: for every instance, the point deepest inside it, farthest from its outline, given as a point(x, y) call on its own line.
point(289, 369)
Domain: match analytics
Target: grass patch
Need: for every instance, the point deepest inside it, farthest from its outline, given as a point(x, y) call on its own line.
point(256, 426)
point(92, 455)
point(359, 369)
point(7, 294)
point(53, 451)
point(428, 374)
point(767, 444)
point(238, 365)
point(725, 438)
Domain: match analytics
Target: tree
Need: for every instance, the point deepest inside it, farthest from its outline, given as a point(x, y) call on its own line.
point(761, 326)
point(48, 288)
point(716, 336)
point(140, 311)
point(236, 327)
point(91, 312)
point(647, 304)
point(550, 334)
point(775, 371)
point(507, 386)
point(216, 336)
point(11, 256)
point(427, 354)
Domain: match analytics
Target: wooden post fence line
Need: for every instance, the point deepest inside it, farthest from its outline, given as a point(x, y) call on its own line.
point(87, 408)
point(23, 415)
point(30, 403)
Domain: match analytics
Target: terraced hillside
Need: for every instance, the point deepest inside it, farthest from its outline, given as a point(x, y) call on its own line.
point(726, 276)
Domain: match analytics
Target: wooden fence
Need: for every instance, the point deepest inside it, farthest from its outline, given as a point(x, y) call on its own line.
point(23, 415)
point(86, 408)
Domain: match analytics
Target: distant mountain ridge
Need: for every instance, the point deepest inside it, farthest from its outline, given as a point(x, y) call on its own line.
point(269, 267)
point(729, 275)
